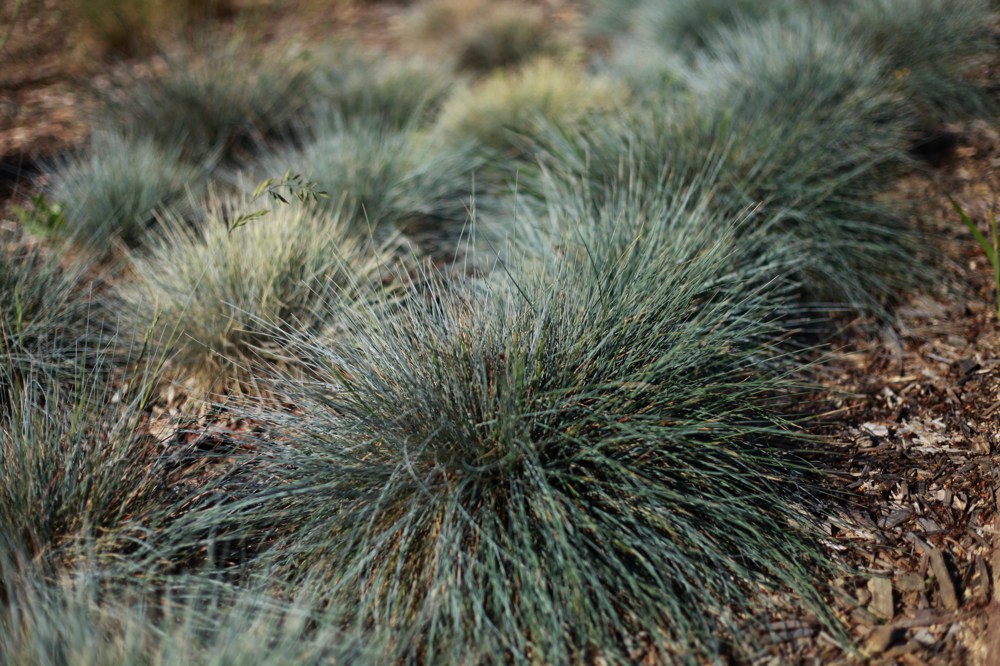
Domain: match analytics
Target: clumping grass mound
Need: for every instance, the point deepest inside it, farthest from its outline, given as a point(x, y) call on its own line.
point(787, 115)
point(931, 47)
point(81, 617)
point(608, 18)
point(687, 25)
point(48, 320)
point(480, 36)
point(582, 462)
point(215, 297)
point(110, 193)
point(353, 87)
point(814, 134)
point(135, 27)
point(216, 102)
point(77, 464)
point(386, 181)
point(503, 111)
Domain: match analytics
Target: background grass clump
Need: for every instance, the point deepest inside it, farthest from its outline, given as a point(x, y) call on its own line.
point(212, 103)
point(932, 47)
point(480, 36)
point(109, 194)
point(352, 86)
point(135, 27)
point(215, 297)
point(684, 26)
point(788, 115)
point(385, 181)
point(814, 135)
point(502, 112)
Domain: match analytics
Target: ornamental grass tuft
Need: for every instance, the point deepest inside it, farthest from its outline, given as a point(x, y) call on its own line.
point(221, 102)
point(932, 48)
point(109, 194)
point(83, 617)
point(48, 319)
point(355, 87)
point(503, 111)
point(479, 36)
point(77, 462)
point(213, 296)
point(581, 460)
point(385, 181)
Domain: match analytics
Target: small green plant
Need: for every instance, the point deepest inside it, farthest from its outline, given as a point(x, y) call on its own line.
point(296, 186)
point(990, 246)
point(43, 217)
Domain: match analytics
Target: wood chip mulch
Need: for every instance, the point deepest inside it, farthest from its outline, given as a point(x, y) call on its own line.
point(915, 424)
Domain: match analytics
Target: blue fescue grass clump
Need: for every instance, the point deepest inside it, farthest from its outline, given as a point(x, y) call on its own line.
point(221, 102)
point(84, 616)
point(110, 193)
point(501, 113)
point(48, 318)
point(815, 135)
point(583, 459)
point(478, 36)
point(685, 26)
point(389, 181)
point(212, 295)
point(355, 87)
point(79, 465)
point(786, 115)
point(931, 47)
point(72, 463)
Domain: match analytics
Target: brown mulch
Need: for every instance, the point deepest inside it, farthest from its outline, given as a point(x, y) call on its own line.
point(913, 408)
point(915, 423)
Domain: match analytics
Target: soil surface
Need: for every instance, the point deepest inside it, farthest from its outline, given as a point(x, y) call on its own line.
point(912, 409)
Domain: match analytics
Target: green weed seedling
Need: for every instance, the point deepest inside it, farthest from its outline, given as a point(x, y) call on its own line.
point(991, 246)
point(297, 187)
point(42, 217)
